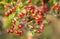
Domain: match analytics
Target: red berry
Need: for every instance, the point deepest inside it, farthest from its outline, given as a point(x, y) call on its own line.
point(14, 8)
point(6, 14)
point(38, 21)
point(32, 12)
point(42, 26)
point(11, 10)
point(19, 16)
point(32, 7)
point(8, 31)
point(37, 11)
point(38, 31)
point(20, 25)
point(40, 16)
point(29, 8)
point(13, 21)
point(56, 6)
point(11, 31)
point(21, 13)
point(16, 31)
point(40, 11)
point(8, 11)
point(12, 27)
point(21, 31)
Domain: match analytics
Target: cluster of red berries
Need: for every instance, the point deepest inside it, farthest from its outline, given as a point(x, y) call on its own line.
point(32, 13)
point(20, 15)
point(55, 6)
point(18, 32)
point(10, 11)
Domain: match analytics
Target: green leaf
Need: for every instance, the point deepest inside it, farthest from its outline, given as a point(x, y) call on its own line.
point(8, 1)
point(45, 22)
point(11, 16)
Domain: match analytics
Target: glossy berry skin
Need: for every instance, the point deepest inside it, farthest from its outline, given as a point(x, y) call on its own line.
point(20, 25)
point(38, 31)
point(8, 31)
point(12, 27)
point(39, 16)
point(42, 26)
point(11, 31)
point(16, 31)
point(21, 13)
point(37, 11)
point(19, 16)
point(32, 12)
point(6, 14)
point(32, 7)
point(38, 21)
point(8, 11)
point(56, 6)
point(13, 8)
point(20, 32)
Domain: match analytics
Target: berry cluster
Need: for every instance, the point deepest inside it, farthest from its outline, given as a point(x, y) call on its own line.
point(11, 30)
point(27, 18)
point(10, 11)
point(55, 6)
